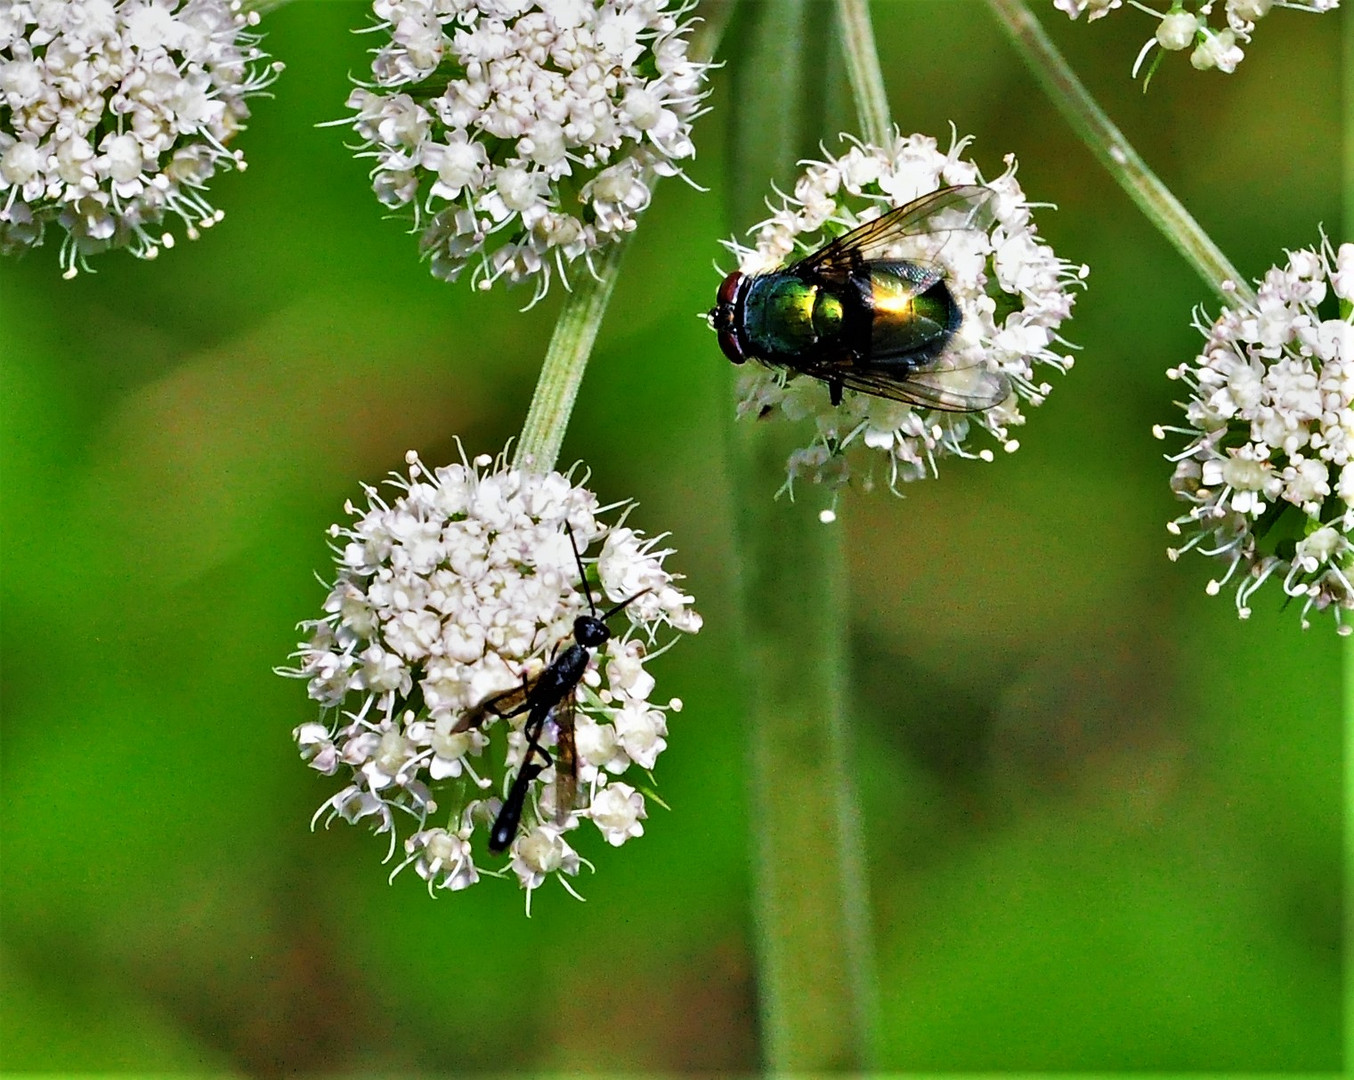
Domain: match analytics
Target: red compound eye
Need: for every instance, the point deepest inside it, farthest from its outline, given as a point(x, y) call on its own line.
point(728, 289)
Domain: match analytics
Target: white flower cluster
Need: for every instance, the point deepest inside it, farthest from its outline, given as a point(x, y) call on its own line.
point(461, 589)
point(529, 133)
point(115, 114)
point(1185, 25)
point(1269, 466)
point(840, 193)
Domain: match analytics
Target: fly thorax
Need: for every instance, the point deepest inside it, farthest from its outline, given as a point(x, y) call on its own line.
point(827, 315)
point(779, 314)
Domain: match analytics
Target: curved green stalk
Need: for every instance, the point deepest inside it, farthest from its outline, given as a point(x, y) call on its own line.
point(862, 68)
point(1114, 152)
point(565, 362)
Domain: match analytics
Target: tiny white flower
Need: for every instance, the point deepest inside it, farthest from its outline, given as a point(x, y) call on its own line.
point(1005, 262)
point(617, 811)
point(540, 852)
point(640, 729)
point(1096, 8)
point(544, 143)
point(1217, 50)
point(1267, 466)
point(317, 748)
point(1177, 30)
point(598, 747)
point(1342, 277)
point(453, 594)
point(443, 859)
point(115, 114)
point(1185, 24)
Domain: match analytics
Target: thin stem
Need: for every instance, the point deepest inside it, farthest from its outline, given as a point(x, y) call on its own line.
point(1114, 152)
point(566, 359)
point(810, 906)
point(862, 68)
point(565, 362)
point(810, 903)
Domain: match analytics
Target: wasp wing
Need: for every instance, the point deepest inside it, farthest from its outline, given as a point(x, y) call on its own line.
point(969, 208)
point(509, 703)
point(566, 758)
point(937, 384)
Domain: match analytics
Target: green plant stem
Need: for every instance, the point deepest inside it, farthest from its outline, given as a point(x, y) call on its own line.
point(1114, 152)
point(566, 359)
point(809, 899)
point(565, 362)
point(862, 68)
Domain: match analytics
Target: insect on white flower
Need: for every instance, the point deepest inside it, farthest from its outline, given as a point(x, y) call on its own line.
point(115, 114)
point(1267, 466)
point(526, 135)
point(1005, 295)
point(454, 600)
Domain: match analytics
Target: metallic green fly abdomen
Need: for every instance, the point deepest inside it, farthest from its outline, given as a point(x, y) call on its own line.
point(856, 318)
point(907, 322)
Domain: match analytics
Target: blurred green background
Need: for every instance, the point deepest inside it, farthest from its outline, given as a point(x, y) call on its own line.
point(1102, 814)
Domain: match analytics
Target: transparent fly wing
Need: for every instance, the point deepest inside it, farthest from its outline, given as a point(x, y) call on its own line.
point(962, 208)
point(937, 384)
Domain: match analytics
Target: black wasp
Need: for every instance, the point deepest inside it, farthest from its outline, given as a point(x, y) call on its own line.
point(857, 319)
point(549, 696)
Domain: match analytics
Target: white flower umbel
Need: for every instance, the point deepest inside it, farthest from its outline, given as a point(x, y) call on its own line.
point(460, 587)
point(525, 135)
point(1268, 470)
point(1185, 25)
point(1012, 290)
point(115, 114)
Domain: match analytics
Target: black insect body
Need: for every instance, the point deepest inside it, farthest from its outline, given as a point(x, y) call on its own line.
point(510, 816)
point(550, 695)
point(858, 319)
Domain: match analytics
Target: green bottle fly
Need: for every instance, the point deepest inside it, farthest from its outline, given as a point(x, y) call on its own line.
point(860, 321)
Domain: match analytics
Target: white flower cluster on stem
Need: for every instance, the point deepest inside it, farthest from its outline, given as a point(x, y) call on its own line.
point(1268, 470)
point(461, 588)
point(115, 114)
point(1009, 260)
point(524, 134)
point(1185, 25)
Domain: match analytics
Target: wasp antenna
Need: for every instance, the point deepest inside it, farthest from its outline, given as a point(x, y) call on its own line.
point(628, 600)
point(582, 574)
